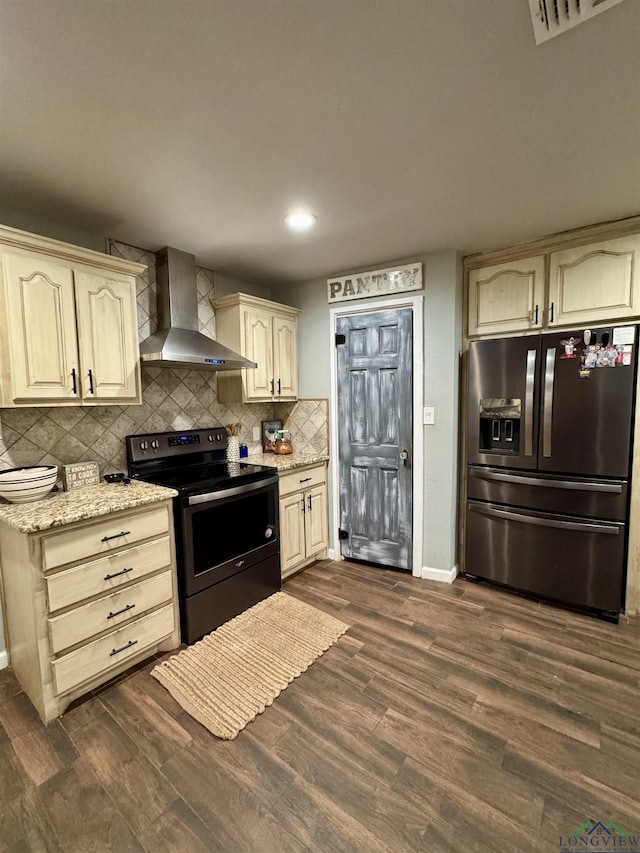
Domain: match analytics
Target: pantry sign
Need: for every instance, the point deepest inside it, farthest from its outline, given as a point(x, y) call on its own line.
point(375, 283)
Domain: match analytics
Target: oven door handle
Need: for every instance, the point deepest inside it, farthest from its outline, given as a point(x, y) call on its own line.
point(210, 497)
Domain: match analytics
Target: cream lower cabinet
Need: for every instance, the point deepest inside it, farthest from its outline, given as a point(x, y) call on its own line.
point(303, 517)
point(595, 283)
point(69, 322)
point(85, 602)
point(267, 333)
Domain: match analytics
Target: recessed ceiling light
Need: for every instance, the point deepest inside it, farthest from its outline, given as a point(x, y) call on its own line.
point(300, 221)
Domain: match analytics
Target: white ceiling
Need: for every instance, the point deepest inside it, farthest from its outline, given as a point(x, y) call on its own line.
point(407, 126)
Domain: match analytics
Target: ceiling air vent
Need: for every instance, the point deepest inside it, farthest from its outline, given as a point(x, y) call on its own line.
point(552, 17)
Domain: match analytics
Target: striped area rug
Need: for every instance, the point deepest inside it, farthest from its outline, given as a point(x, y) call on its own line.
point(230, 676)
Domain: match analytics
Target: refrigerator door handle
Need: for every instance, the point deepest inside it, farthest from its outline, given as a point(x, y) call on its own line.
point(584, 527)
point(528, 402)
point(609, 488)
point(547, 418)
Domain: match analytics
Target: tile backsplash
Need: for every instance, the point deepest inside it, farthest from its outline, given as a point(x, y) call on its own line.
point(172, 399)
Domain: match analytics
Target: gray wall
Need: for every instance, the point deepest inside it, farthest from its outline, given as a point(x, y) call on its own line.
point(226, 284)
point(442, 347)
point(15, 218)
point(442, 343)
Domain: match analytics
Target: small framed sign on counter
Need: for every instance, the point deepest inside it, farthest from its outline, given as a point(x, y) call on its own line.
point(80, 474)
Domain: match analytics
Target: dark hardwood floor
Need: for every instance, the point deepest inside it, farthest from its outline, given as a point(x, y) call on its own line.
point(447, 718)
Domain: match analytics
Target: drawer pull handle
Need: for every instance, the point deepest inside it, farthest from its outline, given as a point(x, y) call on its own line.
point(122, 648)
point(115, 536)
point(306, 480)
point(117, 574)
point(118, 612)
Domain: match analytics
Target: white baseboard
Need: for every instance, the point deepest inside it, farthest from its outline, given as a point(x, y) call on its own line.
point(4, 659)
point(332, 554)
point(441, 575)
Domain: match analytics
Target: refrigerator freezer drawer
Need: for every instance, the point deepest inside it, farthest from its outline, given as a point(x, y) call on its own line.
point(585, 496)
point(560, 557)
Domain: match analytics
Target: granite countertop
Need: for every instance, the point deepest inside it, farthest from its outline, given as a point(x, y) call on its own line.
point(286, 461)
point(58, 508)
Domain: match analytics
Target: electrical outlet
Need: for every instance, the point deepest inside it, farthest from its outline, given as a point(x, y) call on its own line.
point(256, 433)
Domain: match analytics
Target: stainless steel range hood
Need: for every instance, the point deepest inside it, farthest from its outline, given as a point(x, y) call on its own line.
point(178, 343)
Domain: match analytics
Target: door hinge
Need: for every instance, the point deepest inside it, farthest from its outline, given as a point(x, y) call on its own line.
point(343, 534)
point(341, 339)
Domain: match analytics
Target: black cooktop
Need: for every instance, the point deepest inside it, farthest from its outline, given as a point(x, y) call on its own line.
point(197, 479)
point(191, 461)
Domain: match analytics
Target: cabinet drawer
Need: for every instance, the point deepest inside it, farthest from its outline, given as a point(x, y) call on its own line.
point(301, 479)
point(95, 658)
point(108, 612)
point(107, 574)
point(102, 537)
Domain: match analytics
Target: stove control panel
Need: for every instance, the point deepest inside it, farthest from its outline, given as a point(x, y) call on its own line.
point(181, 440)
point(162, 445)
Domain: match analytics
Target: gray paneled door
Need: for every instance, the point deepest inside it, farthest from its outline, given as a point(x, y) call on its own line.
point(375, 430)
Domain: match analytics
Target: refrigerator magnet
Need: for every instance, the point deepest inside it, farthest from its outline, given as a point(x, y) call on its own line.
point(589, 357)
point(623, 335)
point(570, 347)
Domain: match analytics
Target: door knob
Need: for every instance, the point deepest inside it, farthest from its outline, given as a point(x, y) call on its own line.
point(404, 456)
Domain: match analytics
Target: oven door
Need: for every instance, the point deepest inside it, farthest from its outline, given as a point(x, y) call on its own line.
point(227, 531)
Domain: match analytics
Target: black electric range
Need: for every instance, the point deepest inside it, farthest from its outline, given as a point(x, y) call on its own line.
point(226, 523)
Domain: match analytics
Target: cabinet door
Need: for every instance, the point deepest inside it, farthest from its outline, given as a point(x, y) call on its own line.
point(42, 329)
point(595, 283)
point(292, 524)
point(258, 329)
point(108, 337)
point(285, 357)
point(507, 297)
point(315, 520)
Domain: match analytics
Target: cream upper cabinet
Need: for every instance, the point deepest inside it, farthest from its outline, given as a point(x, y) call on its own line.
point(506, 297)
point(42, 328)
point(107, 337)
point(595, 283)
point(69, 324)
point(258, 334)
point(265, 332)
point(285, 357)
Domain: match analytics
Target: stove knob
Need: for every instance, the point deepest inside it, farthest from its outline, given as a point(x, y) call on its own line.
point(218, 436)
point(144, 446)
point(155, 444)
point(210, 437)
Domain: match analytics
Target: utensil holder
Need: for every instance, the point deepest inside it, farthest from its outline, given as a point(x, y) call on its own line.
point(233, 448)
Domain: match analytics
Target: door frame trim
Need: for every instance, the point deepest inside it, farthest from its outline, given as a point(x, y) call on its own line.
point(367, 306)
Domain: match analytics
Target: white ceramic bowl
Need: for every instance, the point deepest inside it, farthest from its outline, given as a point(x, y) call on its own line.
point(21, 485)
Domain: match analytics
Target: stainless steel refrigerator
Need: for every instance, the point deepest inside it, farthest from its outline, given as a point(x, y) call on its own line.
point(549, 444)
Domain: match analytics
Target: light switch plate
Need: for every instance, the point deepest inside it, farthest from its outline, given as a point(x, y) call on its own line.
point(256, 434)
point(429, 415)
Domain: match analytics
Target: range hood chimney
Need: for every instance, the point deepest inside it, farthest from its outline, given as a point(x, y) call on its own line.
point(178, 343)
